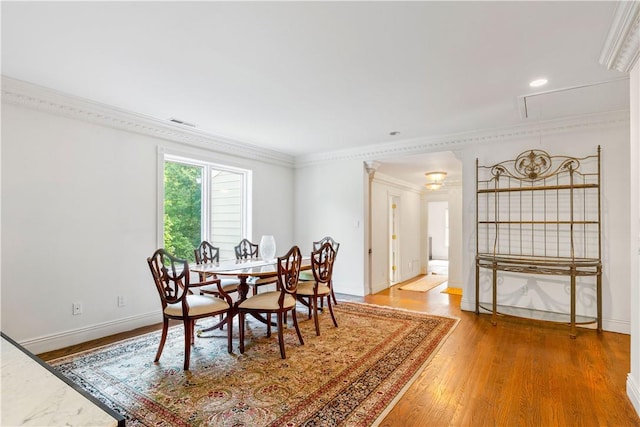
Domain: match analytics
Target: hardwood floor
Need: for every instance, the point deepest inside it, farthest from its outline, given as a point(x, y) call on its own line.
point(517, 373)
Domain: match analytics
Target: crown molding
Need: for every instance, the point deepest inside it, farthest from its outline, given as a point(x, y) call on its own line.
point(36, 97)
point(18, 92)
point(622, 47)
point(391, 181)
point(455, 142)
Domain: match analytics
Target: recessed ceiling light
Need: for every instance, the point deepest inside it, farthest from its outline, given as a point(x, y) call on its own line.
point(538, 82)
point(394, 133)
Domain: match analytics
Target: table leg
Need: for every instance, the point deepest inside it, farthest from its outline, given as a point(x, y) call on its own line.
point(243, 290)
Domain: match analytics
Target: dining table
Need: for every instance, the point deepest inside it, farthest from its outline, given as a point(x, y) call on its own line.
point(243, 269)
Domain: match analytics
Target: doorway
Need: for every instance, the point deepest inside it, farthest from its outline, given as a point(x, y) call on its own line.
point(409, 251)
point(438, 236)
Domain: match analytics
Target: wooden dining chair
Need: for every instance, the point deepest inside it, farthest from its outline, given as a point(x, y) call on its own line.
point(280, 301)
point(308, 276)
point(311, 292)
point(207, 253)
point(171, 277)
point(247, 250)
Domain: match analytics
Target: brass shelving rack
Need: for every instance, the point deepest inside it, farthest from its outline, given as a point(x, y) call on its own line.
point(540, 214)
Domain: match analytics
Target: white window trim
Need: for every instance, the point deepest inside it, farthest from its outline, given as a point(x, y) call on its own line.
point(198, 159)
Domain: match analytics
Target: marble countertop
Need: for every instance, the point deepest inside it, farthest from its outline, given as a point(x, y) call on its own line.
point(35, 395)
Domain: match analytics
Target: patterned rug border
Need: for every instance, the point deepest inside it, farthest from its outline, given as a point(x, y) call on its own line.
point(457, 319)
point(452, 321)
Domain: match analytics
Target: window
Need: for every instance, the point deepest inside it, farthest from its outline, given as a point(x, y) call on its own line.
point(203, 201)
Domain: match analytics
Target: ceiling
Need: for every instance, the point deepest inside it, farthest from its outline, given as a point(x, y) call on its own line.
point(310, 77)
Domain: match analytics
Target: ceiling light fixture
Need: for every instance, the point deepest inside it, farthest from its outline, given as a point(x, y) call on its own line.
point(435, 180)
point(433, 185)
point(436, 176)
point(538, 82)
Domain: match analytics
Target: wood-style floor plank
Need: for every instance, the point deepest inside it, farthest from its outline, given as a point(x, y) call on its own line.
point(517, 373)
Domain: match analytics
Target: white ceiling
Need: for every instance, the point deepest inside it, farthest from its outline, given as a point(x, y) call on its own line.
point(311, 77)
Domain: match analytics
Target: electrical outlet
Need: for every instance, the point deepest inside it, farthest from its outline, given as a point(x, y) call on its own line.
point(121, 301)
point(76, 308)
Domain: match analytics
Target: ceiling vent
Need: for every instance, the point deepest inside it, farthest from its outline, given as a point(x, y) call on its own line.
point(591, 98)
point(181, 122)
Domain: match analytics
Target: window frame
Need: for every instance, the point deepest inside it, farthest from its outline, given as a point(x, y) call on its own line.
point(207, 163)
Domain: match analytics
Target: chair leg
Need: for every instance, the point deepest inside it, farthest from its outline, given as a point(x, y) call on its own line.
point(315, 315)
point(335, 323)
point(188, 325)
point(333, 296)
point(193, 330)
point(163, 338)
point(281, 334)
point(241, 326)
point(295, 323)
point(268, 325)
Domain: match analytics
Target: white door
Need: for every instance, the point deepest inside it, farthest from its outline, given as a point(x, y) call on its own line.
point(394, 237)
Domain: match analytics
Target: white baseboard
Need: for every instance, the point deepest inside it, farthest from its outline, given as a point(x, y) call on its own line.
point(349, 290)
point(633, 391)
point(467, 304)
point(87, 333)
point(619, 326)
point(380, 286)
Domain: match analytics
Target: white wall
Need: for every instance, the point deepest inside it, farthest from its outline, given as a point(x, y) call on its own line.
point(79, 213)
point(329, 201)
point(633, 379)
point(615, 213)
point(436, 212)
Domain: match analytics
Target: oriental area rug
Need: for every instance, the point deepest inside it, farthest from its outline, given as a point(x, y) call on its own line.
point(348, 376)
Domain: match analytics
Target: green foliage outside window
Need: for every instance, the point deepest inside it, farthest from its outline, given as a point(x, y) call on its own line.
point(182, 209)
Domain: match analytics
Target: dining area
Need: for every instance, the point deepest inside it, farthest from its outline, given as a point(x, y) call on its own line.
point(257, 283)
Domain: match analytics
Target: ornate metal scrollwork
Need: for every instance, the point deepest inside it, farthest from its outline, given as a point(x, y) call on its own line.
point(533, 164)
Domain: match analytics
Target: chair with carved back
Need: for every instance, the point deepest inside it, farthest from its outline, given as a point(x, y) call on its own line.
point(308, 276)
point(247, 250)
point(207, 253)
point(171, 277)
point(311, 292)
point(278, 302)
